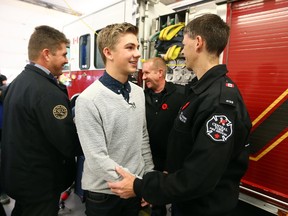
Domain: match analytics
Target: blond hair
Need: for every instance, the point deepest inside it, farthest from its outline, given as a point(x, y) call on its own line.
point(108, 36)
point(158, 63)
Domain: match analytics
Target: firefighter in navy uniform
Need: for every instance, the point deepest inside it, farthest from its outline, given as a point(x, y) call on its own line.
point(208, 150)
point(163, 100)
point(39, 136)
point(210, 140)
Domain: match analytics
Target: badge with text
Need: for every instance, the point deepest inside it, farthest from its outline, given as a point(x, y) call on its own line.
point(219, 128)
point(60, 112)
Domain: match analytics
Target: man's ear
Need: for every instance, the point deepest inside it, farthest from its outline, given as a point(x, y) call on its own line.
point(161, 72)
point(45, 54)
point(107, 53)
point(199, 42)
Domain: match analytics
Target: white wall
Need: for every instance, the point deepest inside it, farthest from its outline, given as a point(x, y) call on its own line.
point(17, 22)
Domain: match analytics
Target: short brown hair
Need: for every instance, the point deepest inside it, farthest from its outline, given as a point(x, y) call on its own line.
point(109, 35)
point(45, 37)
point(212, 29)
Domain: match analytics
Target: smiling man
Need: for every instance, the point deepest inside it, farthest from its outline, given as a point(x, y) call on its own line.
point(208, 150)
point(39, 135)
point(163, 100)
point(110, 120)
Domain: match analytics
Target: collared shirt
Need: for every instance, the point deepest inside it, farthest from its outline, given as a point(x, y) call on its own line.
point(46, 71)
point(116, 86)
point(157, 97)
point(42, 68)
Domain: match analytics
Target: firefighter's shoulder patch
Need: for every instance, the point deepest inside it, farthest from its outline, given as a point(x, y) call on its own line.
point(60, 112)
point(228, 93)
point(219, 128)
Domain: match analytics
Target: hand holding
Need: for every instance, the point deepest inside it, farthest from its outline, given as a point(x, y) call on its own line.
point(144, 203)
point(123, 188)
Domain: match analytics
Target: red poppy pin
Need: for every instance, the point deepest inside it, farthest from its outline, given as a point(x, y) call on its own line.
point(164, 106)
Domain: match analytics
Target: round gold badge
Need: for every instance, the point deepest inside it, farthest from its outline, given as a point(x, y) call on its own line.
point(60, 112)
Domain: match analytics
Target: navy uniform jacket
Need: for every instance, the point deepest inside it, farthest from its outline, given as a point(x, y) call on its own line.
point(39, 137)
point(160, 118)
point(207, 153)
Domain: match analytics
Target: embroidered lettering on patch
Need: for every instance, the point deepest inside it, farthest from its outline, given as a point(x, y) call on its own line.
point(182, 117)
point(230, 101)
point(219, 128)
point(60, 112)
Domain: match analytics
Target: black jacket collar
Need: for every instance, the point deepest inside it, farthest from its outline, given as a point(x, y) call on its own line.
point(208, 78)
point(40, 72)
point(168, 88)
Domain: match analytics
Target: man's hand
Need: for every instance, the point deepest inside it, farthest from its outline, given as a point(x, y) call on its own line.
point(123, 188)
point(144, 203)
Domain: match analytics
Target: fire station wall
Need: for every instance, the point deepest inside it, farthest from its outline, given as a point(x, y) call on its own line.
point(18, 20)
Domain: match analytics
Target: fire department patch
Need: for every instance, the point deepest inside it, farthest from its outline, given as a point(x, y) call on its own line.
point(219, 128)
point(60, 112)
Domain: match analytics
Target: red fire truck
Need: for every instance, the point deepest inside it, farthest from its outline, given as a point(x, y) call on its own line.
point(256, 57)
